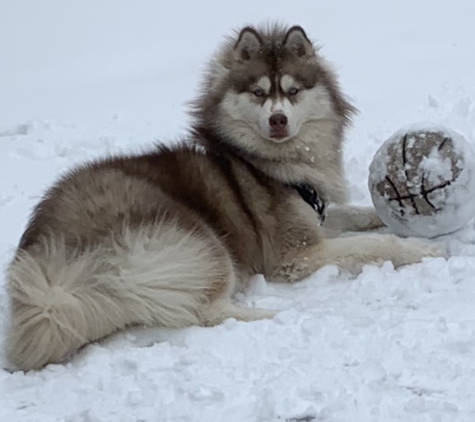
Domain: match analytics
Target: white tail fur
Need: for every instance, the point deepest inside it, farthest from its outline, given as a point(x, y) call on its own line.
point(156, 276)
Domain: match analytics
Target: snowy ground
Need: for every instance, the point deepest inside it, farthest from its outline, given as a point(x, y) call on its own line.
point(84, 78)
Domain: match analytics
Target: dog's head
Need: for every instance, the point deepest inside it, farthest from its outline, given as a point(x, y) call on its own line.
point(265, 85)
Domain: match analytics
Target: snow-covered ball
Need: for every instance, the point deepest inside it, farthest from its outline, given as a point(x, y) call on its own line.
point(422, 181)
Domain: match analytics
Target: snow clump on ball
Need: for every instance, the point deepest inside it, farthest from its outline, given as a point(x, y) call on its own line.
point(422, 181)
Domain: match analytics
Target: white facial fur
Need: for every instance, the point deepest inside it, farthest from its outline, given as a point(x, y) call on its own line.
point(264, 84)
point(243, 109)
point(287, 82)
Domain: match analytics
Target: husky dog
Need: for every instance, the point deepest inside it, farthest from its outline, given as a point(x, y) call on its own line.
point(166, 238)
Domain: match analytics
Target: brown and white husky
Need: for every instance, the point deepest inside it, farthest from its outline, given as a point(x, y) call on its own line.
point(167, 237)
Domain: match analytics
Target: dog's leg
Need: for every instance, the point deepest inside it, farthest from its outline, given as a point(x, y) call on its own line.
point(226, 309)
point(352, 253)
point(348, 218)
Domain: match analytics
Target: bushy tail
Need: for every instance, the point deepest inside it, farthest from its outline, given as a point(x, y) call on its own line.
point(60, 301)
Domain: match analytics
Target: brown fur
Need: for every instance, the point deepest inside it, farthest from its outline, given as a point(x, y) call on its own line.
point(166, 237)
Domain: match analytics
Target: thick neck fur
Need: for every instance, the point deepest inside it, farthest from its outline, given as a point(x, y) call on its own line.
point(224, 113)
point(292, 163)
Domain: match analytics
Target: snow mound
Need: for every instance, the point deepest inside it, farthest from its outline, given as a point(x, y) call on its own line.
point(422, 181)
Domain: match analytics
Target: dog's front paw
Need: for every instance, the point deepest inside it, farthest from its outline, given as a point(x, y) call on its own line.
point(366, 219)
point(413, 251)
point(374, 222)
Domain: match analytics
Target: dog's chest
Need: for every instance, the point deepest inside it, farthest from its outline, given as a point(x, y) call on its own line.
point(297, 225)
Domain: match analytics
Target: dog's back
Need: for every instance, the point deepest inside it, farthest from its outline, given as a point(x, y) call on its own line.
point(143, 240)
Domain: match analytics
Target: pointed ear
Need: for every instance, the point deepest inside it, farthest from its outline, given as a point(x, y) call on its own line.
point(297, 43)
point(248, 44)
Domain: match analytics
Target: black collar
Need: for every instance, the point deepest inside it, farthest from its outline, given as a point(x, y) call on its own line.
point(215, 143)
point(310, 196)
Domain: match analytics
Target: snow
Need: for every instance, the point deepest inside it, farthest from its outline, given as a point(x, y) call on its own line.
point(81, 79)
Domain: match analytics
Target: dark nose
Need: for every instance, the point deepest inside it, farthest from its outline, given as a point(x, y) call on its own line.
point(278, 121)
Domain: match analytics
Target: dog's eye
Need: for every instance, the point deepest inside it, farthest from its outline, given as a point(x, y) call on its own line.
point(258, 92)
point(293, 91)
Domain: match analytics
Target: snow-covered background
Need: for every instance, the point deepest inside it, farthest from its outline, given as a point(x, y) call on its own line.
point(78, 79)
